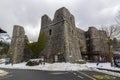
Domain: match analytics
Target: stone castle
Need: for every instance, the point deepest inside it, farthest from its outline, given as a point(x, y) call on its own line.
point(65, 42)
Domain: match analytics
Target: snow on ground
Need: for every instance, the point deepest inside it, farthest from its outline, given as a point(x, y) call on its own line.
point(108, 72)
point(2, 61)
point(65, 67)
point(49, 67)
point(104, 66)
point(3, 73)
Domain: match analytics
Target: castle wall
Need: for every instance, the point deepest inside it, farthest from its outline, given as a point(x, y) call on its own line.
point(55, 39)
point(97, 44)
point(94, 39)
point(18, 44)
point(63, 39)
point(116, 45)
point(73, 44)
point(65, 42)
point(81, 35)
point(97, 40)
point(103, 41)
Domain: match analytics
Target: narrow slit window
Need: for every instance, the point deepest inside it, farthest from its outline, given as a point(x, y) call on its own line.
point(50, 32)
point(72, 32)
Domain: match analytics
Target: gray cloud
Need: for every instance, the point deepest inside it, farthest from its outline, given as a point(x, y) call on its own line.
point(27, 13)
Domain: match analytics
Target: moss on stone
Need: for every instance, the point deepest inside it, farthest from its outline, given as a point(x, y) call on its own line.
point(38, 46)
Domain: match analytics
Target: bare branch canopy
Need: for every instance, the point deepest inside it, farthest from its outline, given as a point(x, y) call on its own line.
point(112, 31)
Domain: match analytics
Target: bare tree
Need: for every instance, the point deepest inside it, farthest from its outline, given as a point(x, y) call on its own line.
point(112, 32)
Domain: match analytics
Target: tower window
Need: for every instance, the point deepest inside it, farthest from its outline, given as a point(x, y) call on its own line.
point(72, 32)
point(50, 32)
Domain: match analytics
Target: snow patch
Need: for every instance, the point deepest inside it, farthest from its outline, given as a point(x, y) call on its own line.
point(48, 66)
point(65, 67)
point(94, 67)
point(102, 65)
point(3, 73)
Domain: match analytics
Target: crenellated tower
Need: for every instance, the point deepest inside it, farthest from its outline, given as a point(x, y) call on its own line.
point(61, 34)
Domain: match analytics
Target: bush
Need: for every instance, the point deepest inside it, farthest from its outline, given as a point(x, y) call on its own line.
point(32, 63)
point(5, 48)
point(37, 47)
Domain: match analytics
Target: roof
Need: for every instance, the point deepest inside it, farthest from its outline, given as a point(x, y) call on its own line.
point(2, 31)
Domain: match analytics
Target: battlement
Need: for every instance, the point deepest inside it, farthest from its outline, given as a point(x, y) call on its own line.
point(62, 14)
point(45, 21)
point(18, 31)
point(92, 28)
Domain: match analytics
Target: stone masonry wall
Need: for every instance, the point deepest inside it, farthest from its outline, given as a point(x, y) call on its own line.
point(62, 36)
point(97, 44)
point(65, 42)
point(97, 40)
point(18, 43)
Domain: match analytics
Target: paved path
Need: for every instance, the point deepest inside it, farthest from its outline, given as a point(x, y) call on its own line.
point(18, 74)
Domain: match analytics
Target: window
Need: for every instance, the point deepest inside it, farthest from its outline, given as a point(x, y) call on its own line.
point(71, 19)
point(50, 32)
point(72, 32)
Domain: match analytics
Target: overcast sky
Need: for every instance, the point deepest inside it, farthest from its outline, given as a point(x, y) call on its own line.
point(27, 13)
